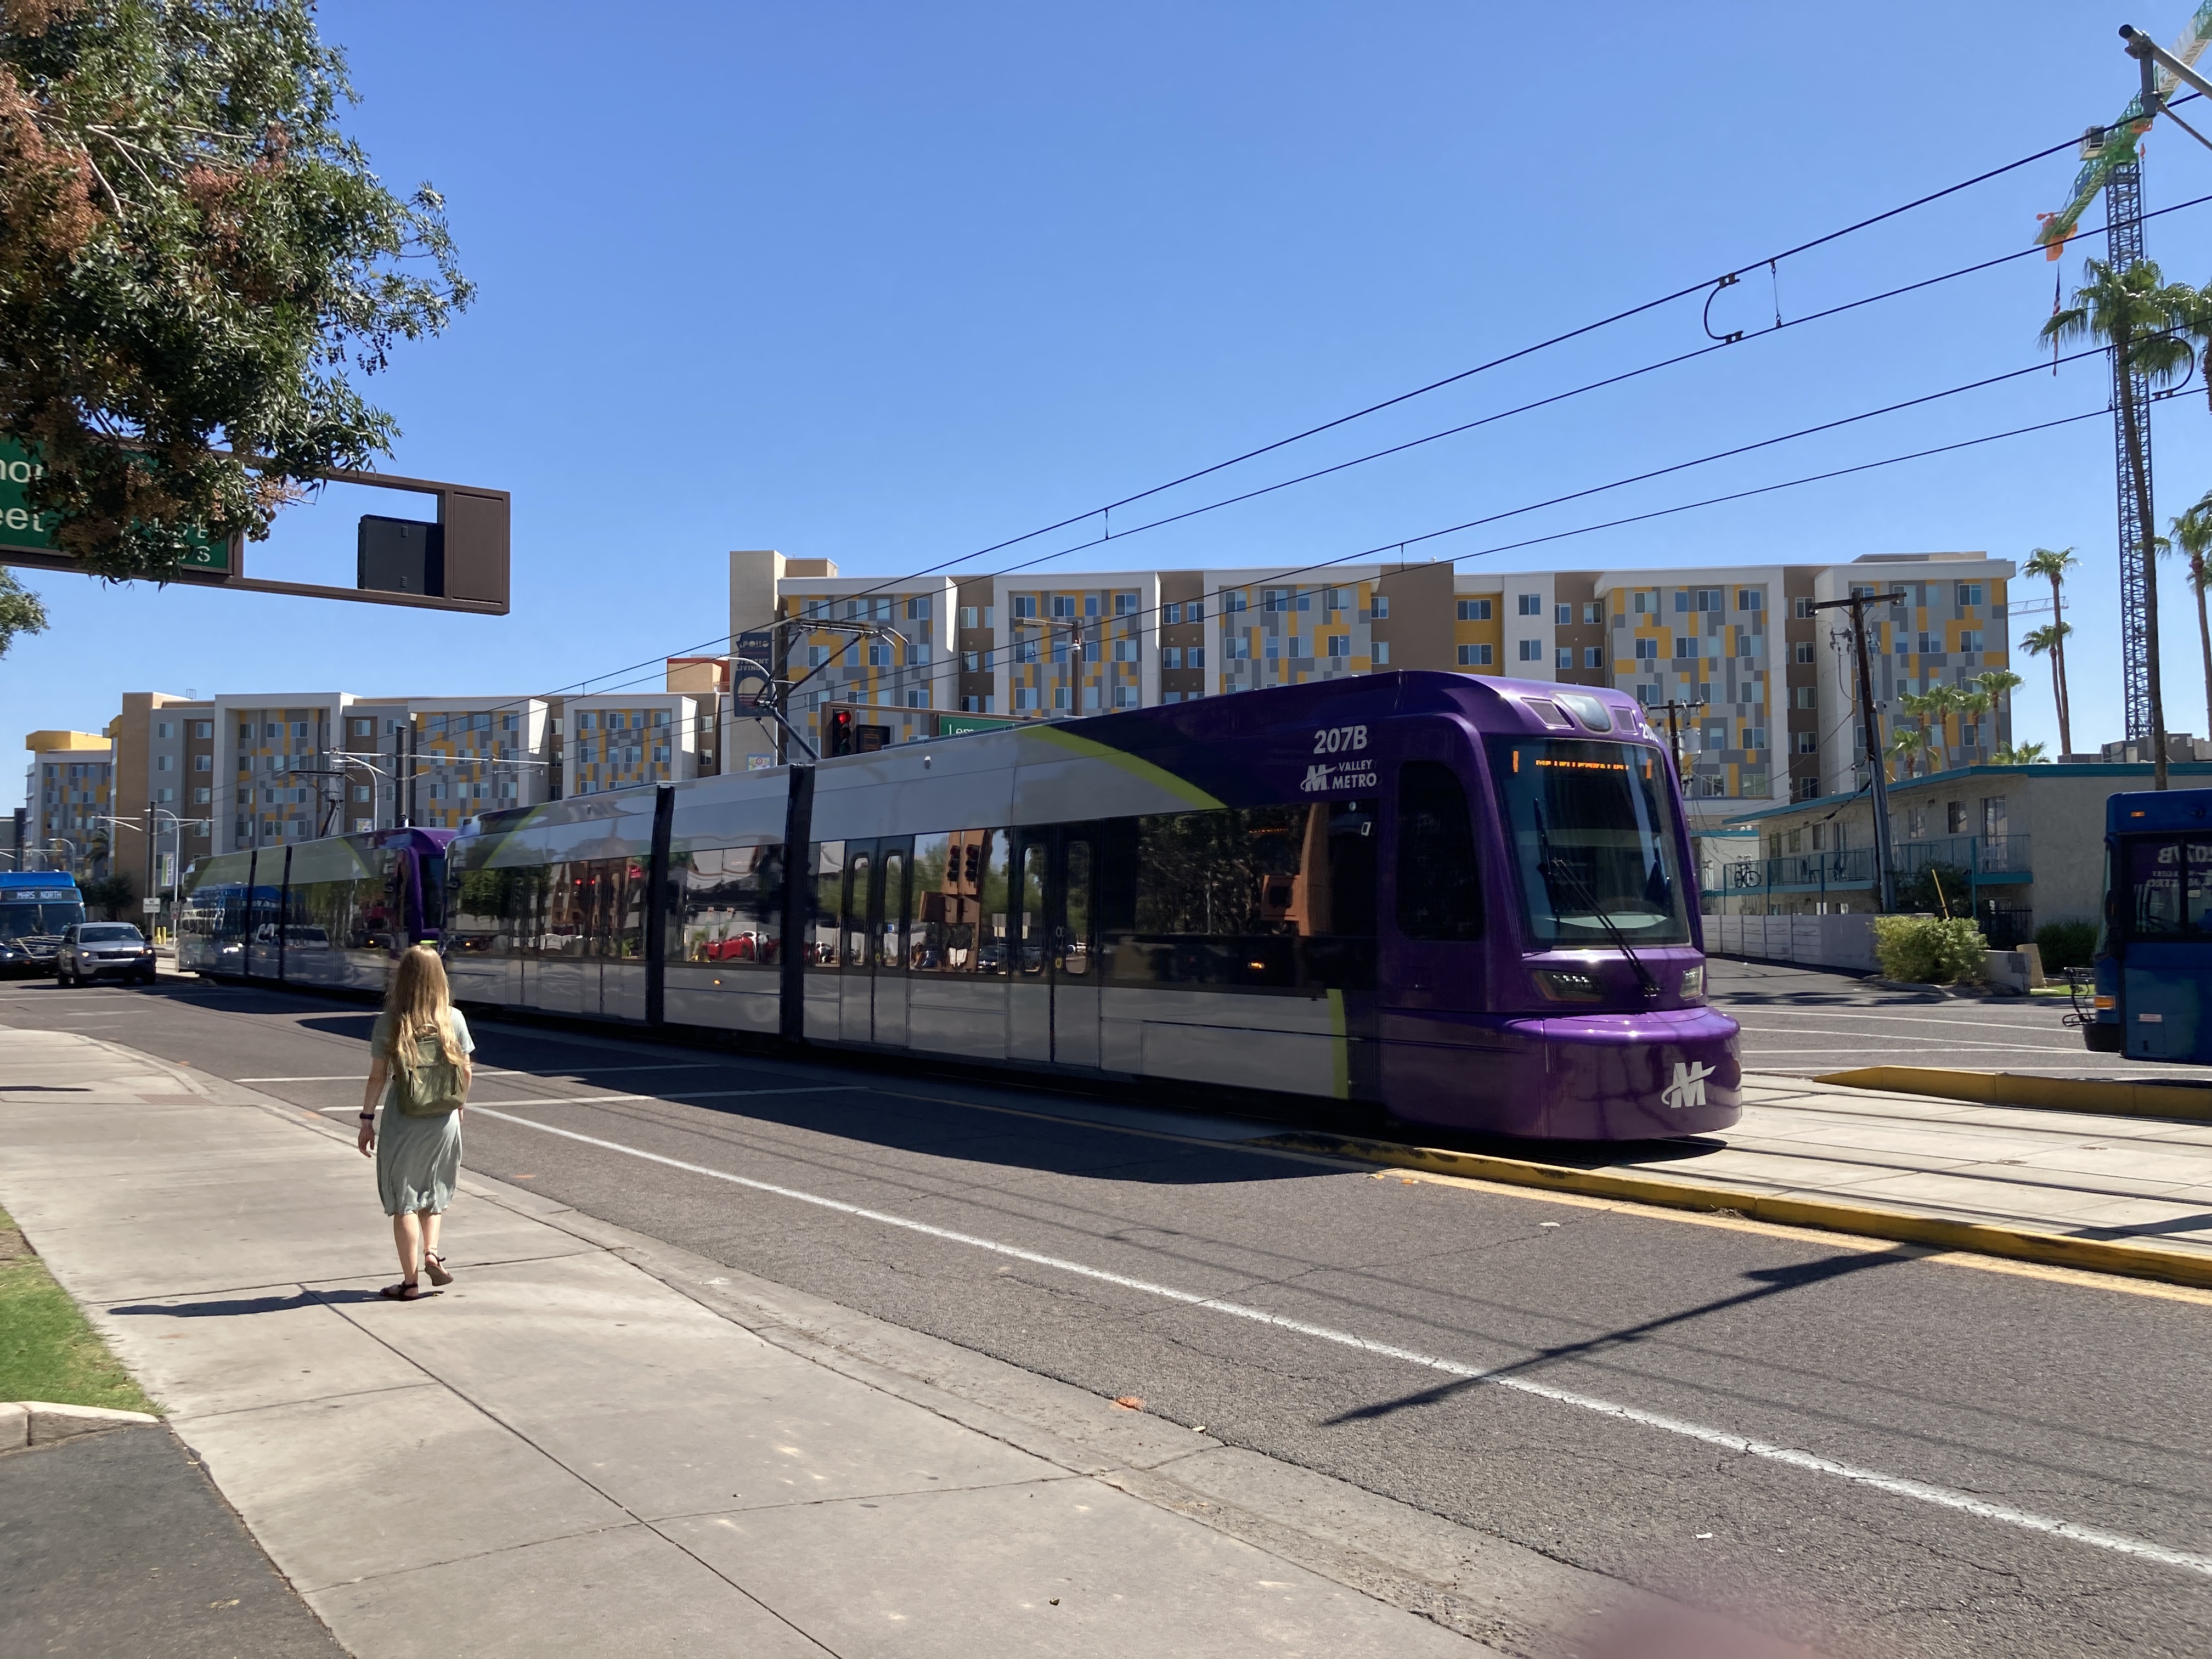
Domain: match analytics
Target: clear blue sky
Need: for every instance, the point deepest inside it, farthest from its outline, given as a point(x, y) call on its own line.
point(887, 283)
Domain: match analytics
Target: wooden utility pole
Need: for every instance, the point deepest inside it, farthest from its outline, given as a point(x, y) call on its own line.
point(1885, 876)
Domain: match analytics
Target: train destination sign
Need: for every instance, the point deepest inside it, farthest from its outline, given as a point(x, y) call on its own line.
point(24, 531)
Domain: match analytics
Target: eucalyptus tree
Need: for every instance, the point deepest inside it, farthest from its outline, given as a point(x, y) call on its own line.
point(195, 261)
point(22, 612)
point(2141, 317)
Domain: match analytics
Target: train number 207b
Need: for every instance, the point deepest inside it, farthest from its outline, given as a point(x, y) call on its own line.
point(1334, 739)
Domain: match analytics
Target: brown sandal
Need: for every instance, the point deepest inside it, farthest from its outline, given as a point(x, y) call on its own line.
point(435, 1266)
point(406, 1290)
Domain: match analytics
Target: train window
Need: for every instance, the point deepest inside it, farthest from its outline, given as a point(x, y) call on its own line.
point(1439, 881)
point(822, 907)
point(957, 903)
point(730, 905)
point(1277, 896)
point(2169, 883)
point(1029, 907)
point(858, 870)
point(890, 937)
point(1592, 830)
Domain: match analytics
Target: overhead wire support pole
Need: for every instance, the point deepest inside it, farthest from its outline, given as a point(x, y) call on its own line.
point(1885, 863)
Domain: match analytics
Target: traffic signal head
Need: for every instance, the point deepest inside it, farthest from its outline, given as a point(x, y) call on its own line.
point(840, 732)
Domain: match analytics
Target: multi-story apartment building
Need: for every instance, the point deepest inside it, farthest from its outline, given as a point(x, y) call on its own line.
point(68, 795)
point(1762, 687)
point(220, 774)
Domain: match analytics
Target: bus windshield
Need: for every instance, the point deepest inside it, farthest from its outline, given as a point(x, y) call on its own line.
point(45, 920)
point(1591, 828)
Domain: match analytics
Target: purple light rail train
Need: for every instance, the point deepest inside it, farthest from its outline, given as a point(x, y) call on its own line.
point(1451, 900)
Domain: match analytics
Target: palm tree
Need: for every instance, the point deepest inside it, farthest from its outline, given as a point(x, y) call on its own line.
point(2140, 316)
point(2050, 641)
point(2192, 534)
point(1941, 702)
point(2052, 564)
point(1973, 706)
point(2026, 754)
point(1903, 743)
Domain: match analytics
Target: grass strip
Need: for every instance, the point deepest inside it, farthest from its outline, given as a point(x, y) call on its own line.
point(47, 1351)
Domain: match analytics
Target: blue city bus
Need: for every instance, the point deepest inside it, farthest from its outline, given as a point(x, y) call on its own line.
point(36, 906)
point(2154, 966)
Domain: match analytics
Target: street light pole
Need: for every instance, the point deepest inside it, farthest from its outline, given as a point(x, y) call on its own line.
point(1885, 870)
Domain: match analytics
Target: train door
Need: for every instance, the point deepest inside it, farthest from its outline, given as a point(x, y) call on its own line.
point(871, 951)
point(889, 907)
point(1053, 1000)
point(264, 912)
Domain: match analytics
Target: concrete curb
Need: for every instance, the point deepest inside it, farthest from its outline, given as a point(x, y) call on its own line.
point(41, 1422)
point(2049, 1094)
point(2127, 1259)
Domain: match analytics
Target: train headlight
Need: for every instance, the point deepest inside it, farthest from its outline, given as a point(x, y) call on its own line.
point(1568, 985)
point(1693, 982)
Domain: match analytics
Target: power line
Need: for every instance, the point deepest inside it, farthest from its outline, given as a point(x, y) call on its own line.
point(580, 687)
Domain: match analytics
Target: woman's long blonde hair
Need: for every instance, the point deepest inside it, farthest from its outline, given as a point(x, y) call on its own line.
point(418, 1002)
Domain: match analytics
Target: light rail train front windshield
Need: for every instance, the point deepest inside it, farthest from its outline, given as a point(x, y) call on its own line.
point(1591, 827)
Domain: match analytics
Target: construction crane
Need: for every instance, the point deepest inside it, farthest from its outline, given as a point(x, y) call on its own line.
point(2111, 162)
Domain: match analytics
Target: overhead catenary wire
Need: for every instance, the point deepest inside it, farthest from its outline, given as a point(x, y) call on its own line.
point(583, 687)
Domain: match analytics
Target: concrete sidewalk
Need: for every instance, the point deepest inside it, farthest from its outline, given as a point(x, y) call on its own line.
point(593, 1444)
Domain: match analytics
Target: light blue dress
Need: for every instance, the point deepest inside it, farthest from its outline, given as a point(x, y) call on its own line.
point(418, 1159)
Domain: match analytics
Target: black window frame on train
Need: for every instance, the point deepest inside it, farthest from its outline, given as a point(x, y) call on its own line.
point(1439, 866)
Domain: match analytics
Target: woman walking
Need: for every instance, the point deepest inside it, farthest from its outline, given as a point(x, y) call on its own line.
point(419, 1063)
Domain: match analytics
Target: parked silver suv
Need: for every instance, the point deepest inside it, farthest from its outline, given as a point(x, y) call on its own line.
point(92, 949)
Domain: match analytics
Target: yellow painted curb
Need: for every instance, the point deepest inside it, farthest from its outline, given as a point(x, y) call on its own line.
point(2129, 1259)
point(2049, 1094)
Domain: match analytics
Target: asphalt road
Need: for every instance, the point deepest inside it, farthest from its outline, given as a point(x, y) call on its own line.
point(1805, 1021)
point(1860, 1448)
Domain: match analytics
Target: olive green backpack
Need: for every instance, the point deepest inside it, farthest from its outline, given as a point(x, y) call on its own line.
point(427, 1084)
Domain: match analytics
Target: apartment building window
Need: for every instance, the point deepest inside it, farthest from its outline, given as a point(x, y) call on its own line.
point(1686, 646)
point(1338, 598)
point(1646, 649)
point(1170, 656)
point(1970, 734)
point(1809, 743)
point(362, 728)
point(165, 794)
point(1744, 637)
point(1802, 652)
point(1063, 604)
point(1380, 658)
point(1126, 650)
point(1474, 656)
point(1235, 599)
point(1025, 606)
point(203, 728)
point(245, 731)
point(1754, 737)
point(1969, 593)
point(1954, 817)
point(1592, 656)
point(1532, 604)
point(1380, 608)
point(917, 609)
point(1642, 601)
point(1195, 657)
point(1970, 639)
point(1125, 697)
point(202, 797)
point(1563, 615)
point(1532, 651)
point(1475, 610)
point(1698, 598)
point(1236, 648)
point(165, 729)
point(1805, 696)
point(1593, 613)
point(1800, 608)
point(1340, 645)
point(1565, 658)
point(1754, 783)
point(165, 763)
point(1750, 598)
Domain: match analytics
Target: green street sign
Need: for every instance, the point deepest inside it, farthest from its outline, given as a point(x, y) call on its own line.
point(32, 532)
point(952, 725)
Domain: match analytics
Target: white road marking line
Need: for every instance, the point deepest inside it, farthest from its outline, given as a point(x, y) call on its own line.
point(690, 1095)
point(1969, 1020)
point(1896, 1485)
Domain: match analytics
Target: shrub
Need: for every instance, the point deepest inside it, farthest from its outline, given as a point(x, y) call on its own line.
point(1928, 949)
point(2066, 945)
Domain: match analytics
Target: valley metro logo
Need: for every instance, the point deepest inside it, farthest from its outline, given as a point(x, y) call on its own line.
point(1688, 1088)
